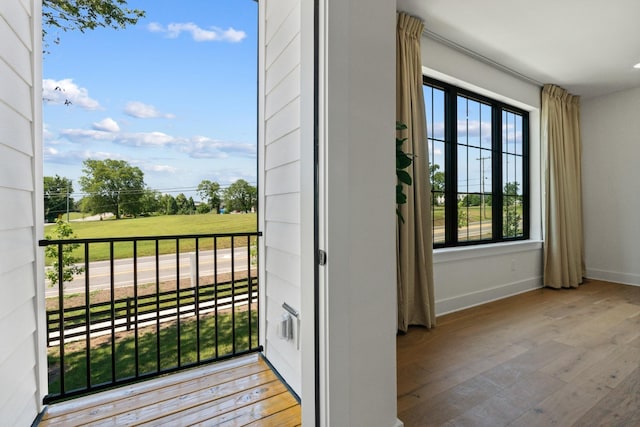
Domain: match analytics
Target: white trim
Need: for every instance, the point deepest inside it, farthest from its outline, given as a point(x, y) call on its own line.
point(398, 423)
point(472, 299)
point(461, 253)
point(613, 276)
point(481, 58)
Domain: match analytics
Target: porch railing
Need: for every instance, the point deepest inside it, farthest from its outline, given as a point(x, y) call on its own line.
point(172, 302)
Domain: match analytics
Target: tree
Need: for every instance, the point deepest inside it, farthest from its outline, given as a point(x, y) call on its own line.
point(240, 196)
point(150, 201)
point(210, 192)
point(69, 268)
point(437, 178)
point(168, 205)
point(112, 186)
point(185, 206)
point(511, 216)
point(83, 15)
point(56, 197)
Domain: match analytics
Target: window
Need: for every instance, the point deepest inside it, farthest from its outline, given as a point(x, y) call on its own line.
point(478, 167)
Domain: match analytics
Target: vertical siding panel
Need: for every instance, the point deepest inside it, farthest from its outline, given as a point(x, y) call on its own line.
point(281, 141)
point(21, 364)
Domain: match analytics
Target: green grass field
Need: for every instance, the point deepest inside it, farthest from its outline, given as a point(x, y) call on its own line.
point(158, 226)
point(75, 353)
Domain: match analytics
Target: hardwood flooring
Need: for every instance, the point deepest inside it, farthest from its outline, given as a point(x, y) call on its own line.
point(238, 392)
point(548, 357)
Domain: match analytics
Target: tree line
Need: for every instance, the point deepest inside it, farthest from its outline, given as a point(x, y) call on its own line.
point(117, 187)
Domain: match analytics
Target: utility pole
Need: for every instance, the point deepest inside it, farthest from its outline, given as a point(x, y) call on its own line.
point(482, 207)
point(68, 189)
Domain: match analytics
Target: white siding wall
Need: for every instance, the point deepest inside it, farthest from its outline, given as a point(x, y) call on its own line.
point(21, 367)
point(281, 183)
point(469, 276)
point(610, 176)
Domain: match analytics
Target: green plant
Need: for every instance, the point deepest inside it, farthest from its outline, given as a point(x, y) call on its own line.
point(403, 161)
point(69, 268)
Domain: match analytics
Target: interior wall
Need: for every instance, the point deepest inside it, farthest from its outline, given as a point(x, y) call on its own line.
point(358, 296)
point(473, 275)
point(610, 176)
point(22, 356)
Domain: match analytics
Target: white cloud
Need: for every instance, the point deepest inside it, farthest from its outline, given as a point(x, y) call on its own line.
point(107, 125)
point(198, 34)
point(66, 92)
point(197, 147)
point(161, 169)
point(76, 157)
point(201, 147)
point(145, 111)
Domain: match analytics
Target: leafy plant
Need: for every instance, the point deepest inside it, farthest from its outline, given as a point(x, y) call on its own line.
point(403, 161)
point(69, 268)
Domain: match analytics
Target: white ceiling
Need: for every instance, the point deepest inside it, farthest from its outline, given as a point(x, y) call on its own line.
point(588, 47)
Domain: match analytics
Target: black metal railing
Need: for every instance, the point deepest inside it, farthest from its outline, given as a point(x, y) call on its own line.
point(146, 306)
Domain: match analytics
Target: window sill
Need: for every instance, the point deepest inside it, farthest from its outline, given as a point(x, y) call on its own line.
point(483, 251)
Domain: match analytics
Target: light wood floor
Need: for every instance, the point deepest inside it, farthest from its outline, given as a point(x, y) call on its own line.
point(547, 357)
point(238, 392)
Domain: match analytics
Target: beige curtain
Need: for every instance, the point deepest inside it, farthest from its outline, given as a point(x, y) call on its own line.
point(560, 132)
point(414, 239)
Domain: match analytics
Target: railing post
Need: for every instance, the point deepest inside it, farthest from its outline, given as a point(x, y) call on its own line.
point(128, 313)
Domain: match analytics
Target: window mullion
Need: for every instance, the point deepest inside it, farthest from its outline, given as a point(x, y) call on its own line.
point(496, 166)
point(451, 170)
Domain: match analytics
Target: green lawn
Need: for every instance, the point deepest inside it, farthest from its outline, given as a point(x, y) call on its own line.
point(125, 355)
point(158, 226)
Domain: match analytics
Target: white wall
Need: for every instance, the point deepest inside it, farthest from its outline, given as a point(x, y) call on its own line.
point(280, 186)
point(469, 276)
point(358, 302)
point(22, 366)
point(610, 177)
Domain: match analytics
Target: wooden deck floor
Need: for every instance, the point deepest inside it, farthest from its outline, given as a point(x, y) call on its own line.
point(237, 392)
point(546, 357)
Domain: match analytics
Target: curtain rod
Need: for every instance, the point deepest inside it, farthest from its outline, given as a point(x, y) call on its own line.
point(479, 57)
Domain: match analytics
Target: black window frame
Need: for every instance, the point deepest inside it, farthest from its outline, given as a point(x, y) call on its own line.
point(451, 93)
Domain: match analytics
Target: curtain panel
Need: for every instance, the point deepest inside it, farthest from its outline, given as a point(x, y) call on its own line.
point(414, 244)
point(560, 133)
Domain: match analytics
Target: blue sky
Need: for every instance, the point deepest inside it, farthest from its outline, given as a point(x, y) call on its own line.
point(174, 95)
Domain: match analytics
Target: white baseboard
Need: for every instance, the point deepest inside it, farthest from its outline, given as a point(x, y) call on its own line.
point(613, 276)
point(398, 423)
point(472, 299)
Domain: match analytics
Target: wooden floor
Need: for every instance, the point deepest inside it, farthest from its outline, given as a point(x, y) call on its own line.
point(547, 357)
point(238, 392)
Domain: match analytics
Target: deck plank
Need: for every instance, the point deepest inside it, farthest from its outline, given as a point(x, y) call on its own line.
point(243, 389)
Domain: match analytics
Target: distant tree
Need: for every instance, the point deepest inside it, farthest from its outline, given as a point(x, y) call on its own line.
point(69, 268)
point(83, 15)
point(210, 192)
point(168, 205)
point(471, 200)
point(186, 206)
point(240, 196)
point(112, 186)
point(510, 210)
point(437, 177)
point(150, 201)
point(56, 197)
point(203, 208)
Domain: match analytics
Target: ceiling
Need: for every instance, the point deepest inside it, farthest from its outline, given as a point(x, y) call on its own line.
point(588, 47)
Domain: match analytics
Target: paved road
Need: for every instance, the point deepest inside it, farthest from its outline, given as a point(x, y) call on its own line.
point(100, 271)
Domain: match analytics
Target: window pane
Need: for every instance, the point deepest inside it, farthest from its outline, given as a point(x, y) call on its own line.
point(462, 169)
point(438, 216)
point(485, 120)
point(512, 216)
